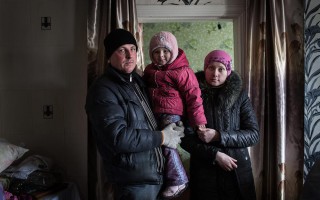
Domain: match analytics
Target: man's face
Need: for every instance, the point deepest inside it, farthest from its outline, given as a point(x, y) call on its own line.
point(124, 58)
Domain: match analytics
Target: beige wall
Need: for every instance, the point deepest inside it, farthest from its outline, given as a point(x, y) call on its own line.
point(39, 68)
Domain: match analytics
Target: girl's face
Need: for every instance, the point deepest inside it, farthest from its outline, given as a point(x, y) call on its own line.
point(216, 74)
point(161, 56)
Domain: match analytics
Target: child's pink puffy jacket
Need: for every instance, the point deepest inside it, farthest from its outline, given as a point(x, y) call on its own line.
point(174, 89)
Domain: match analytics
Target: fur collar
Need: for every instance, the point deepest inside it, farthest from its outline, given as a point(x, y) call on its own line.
point(226, 95)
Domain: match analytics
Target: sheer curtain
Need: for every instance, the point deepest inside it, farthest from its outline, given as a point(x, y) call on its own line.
point(275, 81)
point(104, 16)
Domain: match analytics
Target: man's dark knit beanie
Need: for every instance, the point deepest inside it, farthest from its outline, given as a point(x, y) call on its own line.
point(117, 38)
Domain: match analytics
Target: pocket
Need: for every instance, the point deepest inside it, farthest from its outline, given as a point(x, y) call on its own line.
point(136, 168)
point(244, 158)
point(137, 160)
point(123, 161)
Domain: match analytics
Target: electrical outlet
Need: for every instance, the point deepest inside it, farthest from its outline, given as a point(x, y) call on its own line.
point(48, 112)
point(45, 23)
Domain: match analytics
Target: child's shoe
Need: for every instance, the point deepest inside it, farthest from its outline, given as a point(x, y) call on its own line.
point(174, 191)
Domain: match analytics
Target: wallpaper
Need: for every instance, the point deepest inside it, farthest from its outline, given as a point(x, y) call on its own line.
point(197, 39)
point(312, 85)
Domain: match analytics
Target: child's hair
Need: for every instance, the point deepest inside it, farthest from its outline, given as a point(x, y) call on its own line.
point(166, 40)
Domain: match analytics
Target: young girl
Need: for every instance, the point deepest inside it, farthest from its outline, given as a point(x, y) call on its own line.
point(175, 96)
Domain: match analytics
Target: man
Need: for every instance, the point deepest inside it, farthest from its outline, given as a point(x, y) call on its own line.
point(124, 126)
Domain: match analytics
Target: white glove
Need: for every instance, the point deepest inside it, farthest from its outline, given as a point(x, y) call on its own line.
point(171, 135)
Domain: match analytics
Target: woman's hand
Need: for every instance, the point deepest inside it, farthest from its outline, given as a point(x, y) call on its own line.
point(226, 162)
point(208, 135)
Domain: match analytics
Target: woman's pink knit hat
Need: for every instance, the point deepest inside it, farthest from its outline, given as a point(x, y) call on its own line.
point(219, 56)
point(166, 40)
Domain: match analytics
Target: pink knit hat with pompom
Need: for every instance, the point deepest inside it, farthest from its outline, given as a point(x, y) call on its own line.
point(219, 56)
point(166, 40)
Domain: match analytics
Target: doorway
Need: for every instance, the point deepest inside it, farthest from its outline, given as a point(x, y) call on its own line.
point(196, 38)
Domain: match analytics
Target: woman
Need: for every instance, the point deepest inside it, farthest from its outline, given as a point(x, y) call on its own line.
point(220, 166)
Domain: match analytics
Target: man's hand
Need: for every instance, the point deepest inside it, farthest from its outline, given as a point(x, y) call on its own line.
point(171, 135)
point(226, 162)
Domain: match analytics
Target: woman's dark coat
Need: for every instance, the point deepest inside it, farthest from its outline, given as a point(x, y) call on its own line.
point(229, 111)
point(129, 146)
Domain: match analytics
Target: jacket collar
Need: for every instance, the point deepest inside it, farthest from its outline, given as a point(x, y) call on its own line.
point(180, 61)
point(227, 94)
point(117, 76)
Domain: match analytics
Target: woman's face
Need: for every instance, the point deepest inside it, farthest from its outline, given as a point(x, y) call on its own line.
point(216, 74)
point(161, 56)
